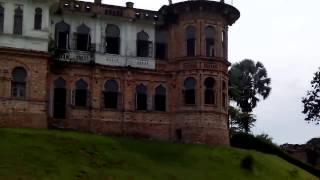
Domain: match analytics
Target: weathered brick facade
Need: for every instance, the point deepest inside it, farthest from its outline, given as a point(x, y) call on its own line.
point(30, 111)
point(198, 123)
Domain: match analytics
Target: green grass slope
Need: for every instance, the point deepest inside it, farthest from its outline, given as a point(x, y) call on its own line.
point(42, 154)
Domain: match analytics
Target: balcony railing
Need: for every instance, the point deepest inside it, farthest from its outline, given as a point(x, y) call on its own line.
point(74, 56)
point(125, 61)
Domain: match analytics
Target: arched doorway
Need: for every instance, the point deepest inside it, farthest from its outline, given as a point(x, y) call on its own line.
point(59, 99)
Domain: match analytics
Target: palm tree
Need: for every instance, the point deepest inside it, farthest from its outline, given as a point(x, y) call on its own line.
point(248, 82)
point(240, 121)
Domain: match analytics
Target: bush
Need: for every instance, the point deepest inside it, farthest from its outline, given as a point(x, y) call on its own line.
point(247, 141)
point(247, 163)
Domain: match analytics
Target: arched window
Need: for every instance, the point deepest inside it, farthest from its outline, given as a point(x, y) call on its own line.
point(189, 91)
point(18, 21)
point(18, 83)
point(209, 91)
point(161, 44)
point(1, 18)
point(144, 46)
point(141, 95)
point(191, 40)
point(62, 35)
point(112, 39)
point(111, 94)
point(81, 93)
point(160, 98)
point(38, 19)
point(83, 38)
point(210, 41)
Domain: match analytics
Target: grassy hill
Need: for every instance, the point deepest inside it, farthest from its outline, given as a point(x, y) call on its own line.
point(42, 154)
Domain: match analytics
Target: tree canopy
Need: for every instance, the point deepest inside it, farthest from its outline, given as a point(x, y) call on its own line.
point(312, 101)
point(248, 81)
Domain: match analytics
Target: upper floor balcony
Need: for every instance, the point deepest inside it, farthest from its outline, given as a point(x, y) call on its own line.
point(74, 56)
point(125, 61)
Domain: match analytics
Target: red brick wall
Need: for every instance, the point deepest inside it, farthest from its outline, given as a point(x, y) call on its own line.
point(30, 112)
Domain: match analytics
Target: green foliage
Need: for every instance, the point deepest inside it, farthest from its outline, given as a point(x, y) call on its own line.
point(250, 142)
point(241, 121)
point(42, 154)
point(312, 101)
point(248, 81)
point(247, 163)
point(265, 138)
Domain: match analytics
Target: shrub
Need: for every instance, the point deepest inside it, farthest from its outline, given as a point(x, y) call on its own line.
point(247, 163)
point(248, 141)
point(294, 173)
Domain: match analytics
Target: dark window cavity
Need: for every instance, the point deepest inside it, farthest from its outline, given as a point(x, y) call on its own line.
point(191, 40)
point(209, 91)
point(18, 21)
point(224, 95)
point(160, 98)
point(161, 44)
point(210, 41)
point(189, 91)
point(83, 38)
point(224, 43)
point(144, 46)
point(38, 19)
point(141, 95)
point(62, 35)
point(18, 83)
point(1, 18)
point(81, 93)
point(111, 94)
point(224, 100)
point(112, 39)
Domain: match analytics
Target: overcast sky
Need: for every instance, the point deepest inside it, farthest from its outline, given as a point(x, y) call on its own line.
point(284, 35)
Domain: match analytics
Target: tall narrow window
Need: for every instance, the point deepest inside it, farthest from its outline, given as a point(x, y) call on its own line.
point(144, 46)
point(83, 38)
point(141, 97)
point(38, 19)
point(161, 44)
point(18, 84)
point(210, 41)
point(160, 99)
point(81, 93)
point(224, 95)
point(62, 35)
point(111, 94)
point(191, 40)
point(209, 91)
point(112, 39)
point(18, 21)
point(1, 18)
point(224, 43)
point(189, 91)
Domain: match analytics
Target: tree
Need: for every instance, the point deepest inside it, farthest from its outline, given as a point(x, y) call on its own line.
point(312, 101)
point(241, 121)
point(248, 81)
point(265, 138)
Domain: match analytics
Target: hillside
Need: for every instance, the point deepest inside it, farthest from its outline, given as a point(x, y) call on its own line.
point(42, 154)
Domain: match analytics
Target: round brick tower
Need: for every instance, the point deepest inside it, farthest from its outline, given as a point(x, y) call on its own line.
point(198, 58)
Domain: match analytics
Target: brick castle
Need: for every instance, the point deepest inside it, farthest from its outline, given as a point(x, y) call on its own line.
point(116, 70)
